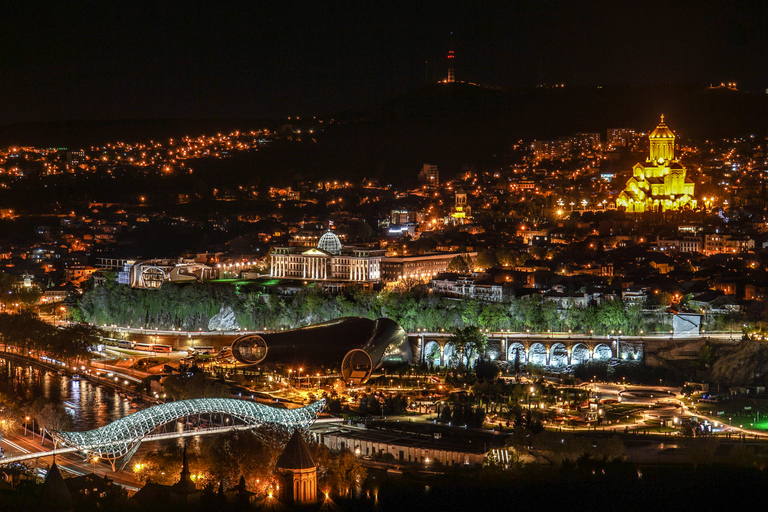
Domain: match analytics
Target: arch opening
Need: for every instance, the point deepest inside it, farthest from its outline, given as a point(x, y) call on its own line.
point(538, 354)
point(579, 354)
point(602, 352)
point(432, 353)
point(558, 355)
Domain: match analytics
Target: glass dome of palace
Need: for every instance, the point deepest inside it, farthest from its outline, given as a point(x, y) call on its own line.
point(329, 243)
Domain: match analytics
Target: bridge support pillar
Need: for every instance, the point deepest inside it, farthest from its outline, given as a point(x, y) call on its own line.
point(126, 458)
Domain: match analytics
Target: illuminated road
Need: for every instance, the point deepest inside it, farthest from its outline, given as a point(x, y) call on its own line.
point(71, 463)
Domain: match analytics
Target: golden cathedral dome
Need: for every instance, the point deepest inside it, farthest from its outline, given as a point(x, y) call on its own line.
point(662, 131)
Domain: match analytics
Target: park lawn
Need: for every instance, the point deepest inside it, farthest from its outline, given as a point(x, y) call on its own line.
point(622, 418)
point(621, 408)
point(734, 409)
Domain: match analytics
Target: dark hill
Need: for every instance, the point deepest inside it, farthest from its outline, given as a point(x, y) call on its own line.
point(447, 124)
point(697, 112)
point(456, 124)
point(82, 134)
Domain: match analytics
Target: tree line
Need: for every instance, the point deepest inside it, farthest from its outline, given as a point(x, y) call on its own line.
point(191, 306)
point(26, 333)
point(250, 457)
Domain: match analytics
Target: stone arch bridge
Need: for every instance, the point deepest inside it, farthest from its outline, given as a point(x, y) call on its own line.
point(544, 350)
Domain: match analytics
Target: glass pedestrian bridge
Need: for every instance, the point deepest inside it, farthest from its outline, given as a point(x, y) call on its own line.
point(121, 438)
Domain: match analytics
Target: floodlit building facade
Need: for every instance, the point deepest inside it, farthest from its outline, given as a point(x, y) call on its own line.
point(660, 183)
point(461, 212)
point(329, 261)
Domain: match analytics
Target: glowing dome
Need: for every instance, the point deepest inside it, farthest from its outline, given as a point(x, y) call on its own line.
point(330, 243)
point(662, 131)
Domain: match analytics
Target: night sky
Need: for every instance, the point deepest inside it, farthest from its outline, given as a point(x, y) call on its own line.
point(152, 60)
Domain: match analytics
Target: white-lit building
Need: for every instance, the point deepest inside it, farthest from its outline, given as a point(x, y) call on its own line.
point(329, 261)
point(153, 273)
point(419, 266)
point(466, 287)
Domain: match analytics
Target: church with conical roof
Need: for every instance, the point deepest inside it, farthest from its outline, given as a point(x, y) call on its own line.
point(298, 470)
point(660, 183)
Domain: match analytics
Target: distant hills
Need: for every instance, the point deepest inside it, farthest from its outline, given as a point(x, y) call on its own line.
point(450, 125)
point(694, 111)
point(456, 124)
point(83, 134)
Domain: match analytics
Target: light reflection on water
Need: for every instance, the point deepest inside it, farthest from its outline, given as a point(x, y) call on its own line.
point(89, 405)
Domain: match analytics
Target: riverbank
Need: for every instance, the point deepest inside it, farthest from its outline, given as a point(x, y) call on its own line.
point(112, 382)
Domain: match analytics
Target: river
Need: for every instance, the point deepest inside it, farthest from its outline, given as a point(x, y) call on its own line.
point(90, 406)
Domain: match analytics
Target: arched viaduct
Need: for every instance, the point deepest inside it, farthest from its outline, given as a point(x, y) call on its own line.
point(555, 351)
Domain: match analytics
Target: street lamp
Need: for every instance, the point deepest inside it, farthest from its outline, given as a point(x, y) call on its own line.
point(94, 460)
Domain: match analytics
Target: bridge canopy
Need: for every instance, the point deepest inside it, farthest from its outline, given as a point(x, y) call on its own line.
point(122, 436)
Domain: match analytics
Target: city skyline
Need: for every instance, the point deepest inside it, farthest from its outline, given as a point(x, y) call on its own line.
point(358, 256)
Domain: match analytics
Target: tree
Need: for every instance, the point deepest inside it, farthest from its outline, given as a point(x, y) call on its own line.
point(251, 454)
point(345, 472)
point(468, 343)
point(486, 370)
point(701, 450)
point(610, 449)
point(612, 316)
point(8, 421)
point(54, 417)
point(73, 341)
point(506, 257)
point(486, 259)
point(589, 369)
point(13, 293)
point(706, 356)
point(160, 466)
point(183, 387)
point(459, 264)
point(445, 414)
point(359, 230)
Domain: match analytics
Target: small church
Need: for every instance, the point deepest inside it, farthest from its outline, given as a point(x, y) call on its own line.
point(298, 472)
point(461, 212)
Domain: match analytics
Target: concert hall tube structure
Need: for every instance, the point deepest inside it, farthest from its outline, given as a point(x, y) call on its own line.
point(354, 346)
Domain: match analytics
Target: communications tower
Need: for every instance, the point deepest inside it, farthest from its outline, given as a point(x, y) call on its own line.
point(451, 71)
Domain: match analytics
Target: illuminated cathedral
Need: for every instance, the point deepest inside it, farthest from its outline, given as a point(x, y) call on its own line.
point(660, 183)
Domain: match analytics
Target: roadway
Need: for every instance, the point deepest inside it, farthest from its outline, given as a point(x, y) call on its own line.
point(735, 336)
point(68, 462)
point(22, 448)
